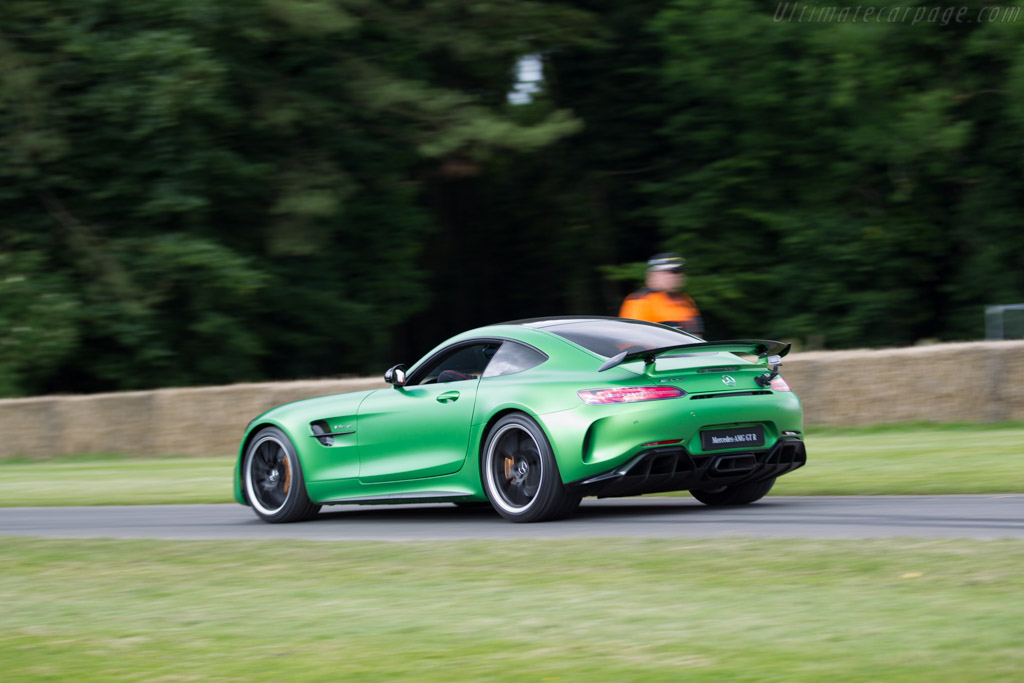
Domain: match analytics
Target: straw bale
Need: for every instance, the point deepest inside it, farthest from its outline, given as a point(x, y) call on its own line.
point(210, 420)
point(195, 421)
point(963, 382)
point(31, 427)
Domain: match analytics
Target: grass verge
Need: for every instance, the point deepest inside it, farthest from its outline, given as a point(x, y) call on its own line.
point(113, 480)
point(898, 459)
point(734, 609)
point(911, 459)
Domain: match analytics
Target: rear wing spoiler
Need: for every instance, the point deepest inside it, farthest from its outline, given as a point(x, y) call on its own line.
point(762, 348)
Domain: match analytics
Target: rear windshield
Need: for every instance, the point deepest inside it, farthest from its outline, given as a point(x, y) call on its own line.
point(611, 337)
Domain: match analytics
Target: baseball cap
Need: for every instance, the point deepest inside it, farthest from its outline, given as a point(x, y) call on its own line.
point(667, 261)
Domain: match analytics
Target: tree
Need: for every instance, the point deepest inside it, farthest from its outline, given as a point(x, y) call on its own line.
point(225, 191)
point(819, 170)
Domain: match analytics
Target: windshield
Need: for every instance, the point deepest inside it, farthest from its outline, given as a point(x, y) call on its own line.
point(611, 337)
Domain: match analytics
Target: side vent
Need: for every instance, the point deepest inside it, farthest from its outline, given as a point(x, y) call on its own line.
point(320, 428)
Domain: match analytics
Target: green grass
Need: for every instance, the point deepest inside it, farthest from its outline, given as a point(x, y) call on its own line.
point(114, 480)
point(910, 459)
point(609, 610)
point(895, 459)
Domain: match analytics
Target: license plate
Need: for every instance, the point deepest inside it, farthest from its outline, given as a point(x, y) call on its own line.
point(735, 437)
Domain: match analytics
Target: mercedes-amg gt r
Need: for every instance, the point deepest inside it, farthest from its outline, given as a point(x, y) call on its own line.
point(530, 416)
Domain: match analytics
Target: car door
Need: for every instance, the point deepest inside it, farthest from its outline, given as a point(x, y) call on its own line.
point(421, 429)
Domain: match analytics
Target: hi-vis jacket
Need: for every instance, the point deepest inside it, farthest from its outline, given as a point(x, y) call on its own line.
point(667, 308)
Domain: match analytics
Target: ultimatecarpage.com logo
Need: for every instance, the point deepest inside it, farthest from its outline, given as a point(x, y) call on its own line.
point(799, 12)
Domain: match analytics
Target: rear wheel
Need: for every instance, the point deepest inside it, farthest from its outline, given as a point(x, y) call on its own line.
point(741, 494)
point(520, 475)
point(273, 479)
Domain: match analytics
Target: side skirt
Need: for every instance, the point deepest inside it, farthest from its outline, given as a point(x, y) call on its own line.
point(410, 497)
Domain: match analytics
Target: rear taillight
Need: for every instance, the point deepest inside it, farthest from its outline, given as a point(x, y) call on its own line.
point(779, 384)
point(598, 397)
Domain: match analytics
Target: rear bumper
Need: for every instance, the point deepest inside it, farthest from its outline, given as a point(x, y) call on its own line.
point(673, 468)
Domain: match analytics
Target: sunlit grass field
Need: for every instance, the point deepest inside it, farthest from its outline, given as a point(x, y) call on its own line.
point(609, 610)
point(588, 610)
point(910, 459)
point(903, 459)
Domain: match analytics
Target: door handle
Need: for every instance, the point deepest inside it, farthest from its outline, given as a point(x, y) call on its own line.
point(448, 397)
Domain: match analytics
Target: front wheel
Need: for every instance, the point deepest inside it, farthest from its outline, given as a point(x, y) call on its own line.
point(520, 475)
point(273, 479)
point(741, 494)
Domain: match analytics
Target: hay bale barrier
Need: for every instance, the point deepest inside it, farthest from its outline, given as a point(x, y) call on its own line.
point(962, 382)
point(192, 421)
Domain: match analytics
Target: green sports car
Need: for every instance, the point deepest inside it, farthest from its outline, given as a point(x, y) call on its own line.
point(532, 415)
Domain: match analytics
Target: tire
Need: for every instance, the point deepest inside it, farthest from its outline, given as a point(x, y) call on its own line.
point(272, 476)
point(741, 494)
point(520, 475)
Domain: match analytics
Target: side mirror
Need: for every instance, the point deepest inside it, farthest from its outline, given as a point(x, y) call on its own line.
point(395, 375)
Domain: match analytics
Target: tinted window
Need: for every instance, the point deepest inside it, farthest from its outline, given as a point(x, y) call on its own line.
point(464, 363)
point(512, 358)
point(611, 337)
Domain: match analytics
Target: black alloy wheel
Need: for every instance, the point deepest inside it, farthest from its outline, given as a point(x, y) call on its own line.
point(274, 485)
point(520, 475)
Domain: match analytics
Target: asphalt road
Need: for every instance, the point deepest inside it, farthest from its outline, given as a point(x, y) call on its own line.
point(979, 517)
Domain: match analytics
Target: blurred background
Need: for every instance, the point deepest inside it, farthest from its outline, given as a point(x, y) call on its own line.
point(205, 193)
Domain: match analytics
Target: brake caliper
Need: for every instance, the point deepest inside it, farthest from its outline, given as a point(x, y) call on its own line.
point(287, 474)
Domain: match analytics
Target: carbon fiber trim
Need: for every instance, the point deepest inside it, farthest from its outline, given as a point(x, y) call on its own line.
point(673, 468)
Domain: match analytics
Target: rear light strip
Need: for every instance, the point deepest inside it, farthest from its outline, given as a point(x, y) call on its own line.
point(598, 397)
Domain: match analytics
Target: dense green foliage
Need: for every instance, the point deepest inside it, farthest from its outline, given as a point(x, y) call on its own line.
point(196, 192)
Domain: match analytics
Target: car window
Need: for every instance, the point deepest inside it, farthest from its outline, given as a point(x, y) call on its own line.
point(611, 337)
point(513, 357)
point(459, 365)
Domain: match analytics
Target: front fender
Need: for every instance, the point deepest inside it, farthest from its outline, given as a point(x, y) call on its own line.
point(316, 460)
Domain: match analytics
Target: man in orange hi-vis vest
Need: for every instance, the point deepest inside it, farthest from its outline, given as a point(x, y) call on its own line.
point(663, 300)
